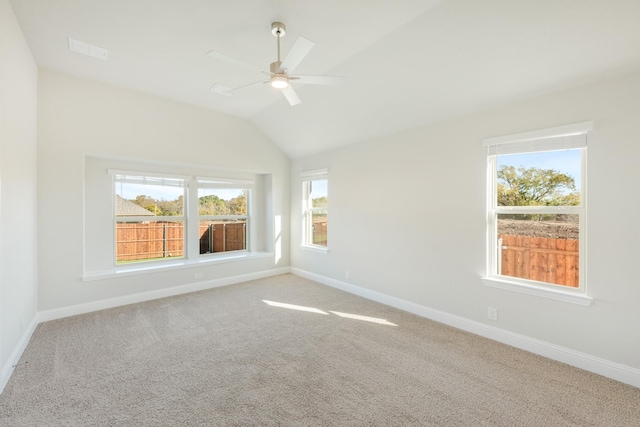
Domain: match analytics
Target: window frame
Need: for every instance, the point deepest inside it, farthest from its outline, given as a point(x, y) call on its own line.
point(308, 210)
point(190, 214)
point(552, 139)
point(152, 178)
point(221, 184)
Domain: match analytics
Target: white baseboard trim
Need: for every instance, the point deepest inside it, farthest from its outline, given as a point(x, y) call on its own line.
point(7, 369)
point(59, 313)
point(606, 368)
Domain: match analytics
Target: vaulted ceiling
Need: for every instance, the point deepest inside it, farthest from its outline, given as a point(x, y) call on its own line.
point(409, 63)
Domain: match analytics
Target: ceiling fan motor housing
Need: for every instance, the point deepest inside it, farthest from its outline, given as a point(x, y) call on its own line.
point(278, 29)
point(274, 67)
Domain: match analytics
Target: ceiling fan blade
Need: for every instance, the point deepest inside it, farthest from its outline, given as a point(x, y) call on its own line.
point(223, 90)
point(298, 51)
point(220, 90)
point(319, 80)
point(291, 95)
point(234, 61)
point(247, 85)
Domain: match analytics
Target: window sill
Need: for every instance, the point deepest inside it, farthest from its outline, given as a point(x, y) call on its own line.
point(555, 294)
point(146, 268)
point(315, 248)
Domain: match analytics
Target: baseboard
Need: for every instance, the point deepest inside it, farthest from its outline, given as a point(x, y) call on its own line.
point(8, 367)
point(58, 313)
point(613, 370)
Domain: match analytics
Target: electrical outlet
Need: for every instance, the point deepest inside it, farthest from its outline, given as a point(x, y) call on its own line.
point(492, 313)
point(197, 275)
point(347, 275)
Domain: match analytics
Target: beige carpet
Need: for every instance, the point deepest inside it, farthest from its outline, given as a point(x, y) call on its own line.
point(224, 357)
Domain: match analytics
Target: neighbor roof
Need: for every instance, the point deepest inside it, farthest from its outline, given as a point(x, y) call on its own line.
point(126, 208)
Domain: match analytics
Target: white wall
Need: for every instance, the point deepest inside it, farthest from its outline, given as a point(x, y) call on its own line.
point(407, 219)
point(18, 136)
point(78, 118)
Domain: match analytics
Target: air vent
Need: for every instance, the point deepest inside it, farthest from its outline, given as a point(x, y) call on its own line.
point(87, 49)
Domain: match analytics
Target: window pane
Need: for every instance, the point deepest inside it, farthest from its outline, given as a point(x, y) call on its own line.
point(539, 247)
point(152, 240)
point(223, 236)
point(222, 201)
point(319, 228)
point(550, 178)
point(134, 199)
point(318, 193)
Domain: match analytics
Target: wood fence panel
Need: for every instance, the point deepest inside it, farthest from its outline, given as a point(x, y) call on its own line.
point(573, 270)
point(140, 241)
point(235, 236)
point(542, 259)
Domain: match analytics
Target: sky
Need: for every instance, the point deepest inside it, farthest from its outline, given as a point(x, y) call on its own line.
point(319, 189)
point(564, 161)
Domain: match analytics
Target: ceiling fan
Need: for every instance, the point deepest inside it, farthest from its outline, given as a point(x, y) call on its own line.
point(279, 73)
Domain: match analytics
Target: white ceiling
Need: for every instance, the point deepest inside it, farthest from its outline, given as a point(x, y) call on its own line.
point(409, 63)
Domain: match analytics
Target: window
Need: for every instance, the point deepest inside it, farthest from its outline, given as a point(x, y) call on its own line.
point(149, 217)
point(141, 216)
point(537, 208)
point(222, 213)
point(153, 222)
point(315, 208)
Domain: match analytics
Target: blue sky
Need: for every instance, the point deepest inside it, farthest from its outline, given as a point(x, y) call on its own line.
point(565, 161)
point(319, 189)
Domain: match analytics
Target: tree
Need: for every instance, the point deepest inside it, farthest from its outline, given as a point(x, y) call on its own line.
point(160, 207)
point(238, 205)
point(319, 202)
point(171, 207)
point(535, 187)
point(212, 205)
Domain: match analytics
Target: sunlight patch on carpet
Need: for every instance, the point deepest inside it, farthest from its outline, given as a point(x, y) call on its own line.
point(365, 318)
point(294, 307)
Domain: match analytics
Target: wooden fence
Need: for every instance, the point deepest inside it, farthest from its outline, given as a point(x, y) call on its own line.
point(543, 259)
point(155, 239)
point(320, 231)
point(223, 237)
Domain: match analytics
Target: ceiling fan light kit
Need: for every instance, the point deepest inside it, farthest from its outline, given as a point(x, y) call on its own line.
point(279, 81)
point(279, 71)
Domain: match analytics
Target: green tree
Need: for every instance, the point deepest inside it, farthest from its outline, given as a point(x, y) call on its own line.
point(212, 205)
point(171, 207)
point(319, 202)
point(160, 207)
point(535, 187)
point(238, 205)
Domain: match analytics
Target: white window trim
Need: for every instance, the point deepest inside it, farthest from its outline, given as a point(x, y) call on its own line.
point(192, 256)
point(560, 137)
point(306, 177)
point(151, 178)
point(177, 264)
point(226, 183)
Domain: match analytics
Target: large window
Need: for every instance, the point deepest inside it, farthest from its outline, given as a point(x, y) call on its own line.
point(222, 212)
point(149, 217)
point(153, 222)
point(537, 208)
point(315, 208)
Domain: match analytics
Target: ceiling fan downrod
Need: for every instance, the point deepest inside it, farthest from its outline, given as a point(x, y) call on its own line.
point(278, 80)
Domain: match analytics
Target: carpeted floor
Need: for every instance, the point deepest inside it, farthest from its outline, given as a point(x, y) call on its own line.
point(225, 357)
